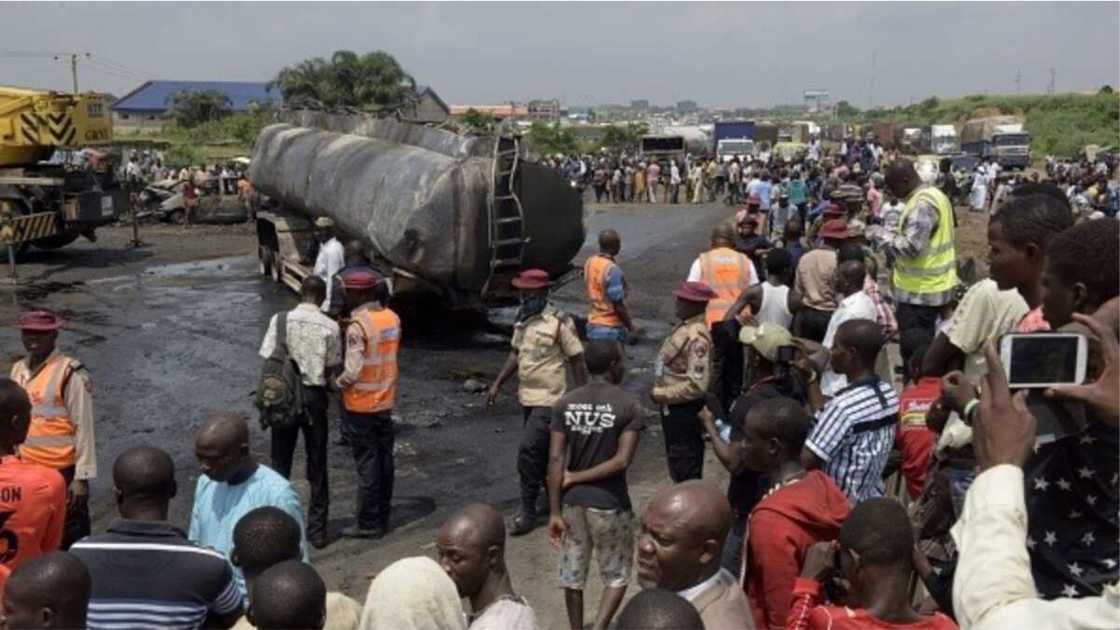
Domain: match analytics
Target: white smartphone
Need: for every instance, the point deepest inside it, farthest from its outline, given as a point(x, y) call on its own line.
point(1037, 360)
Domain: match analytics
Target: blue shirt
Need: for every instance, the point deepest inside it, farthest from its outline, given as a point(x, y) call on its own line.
point(763, 190)
point(798, 192)
point(219, 505)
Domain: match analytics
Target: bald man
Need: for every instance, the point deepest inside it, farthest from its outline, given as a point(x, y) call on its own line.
point(679, 549)
point(608, 317)
point(471, 546)
point(232, 484)
point(659, 609)
point(853, 303)
point(728, 273)
point(289, 596)
point(50, 591)
point(144, 570)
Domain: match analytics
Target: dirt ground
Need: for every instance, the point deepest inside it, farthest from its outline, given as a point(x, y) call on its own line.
point(170, 331)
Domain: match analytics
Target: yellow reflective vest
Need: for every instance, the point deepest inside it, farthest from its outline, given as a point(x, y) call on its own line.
point(935, 269)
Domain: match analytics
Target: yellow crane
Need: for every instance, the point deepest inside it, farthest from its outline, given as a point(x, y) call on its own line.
point(49, 204)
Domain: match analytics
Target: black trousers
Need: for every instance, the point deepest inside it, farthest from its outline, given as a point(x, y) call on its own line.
point(727, 362)
point(684, 442)
point(315, 434)
point(532, 456)
point(915, 317)
point(812, 324)
point(371, 439)
point(77, 524)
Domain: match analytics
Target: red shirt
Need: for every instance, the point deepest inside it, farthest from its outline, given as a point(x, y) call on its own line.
point(32, 510)
point(914, 440)
point(808, 613)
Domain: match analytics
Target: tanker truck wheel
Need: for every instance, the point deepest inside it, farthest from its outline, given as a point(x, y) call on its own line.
point(57, 241)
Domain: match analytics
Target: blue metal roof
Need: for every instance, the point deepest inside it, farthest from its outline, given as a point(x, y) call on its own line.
point(152, 96)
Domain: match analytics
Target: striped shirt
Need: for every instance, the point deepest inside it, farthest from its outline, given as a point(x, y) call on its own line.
point(853, 434)
point(147, 575)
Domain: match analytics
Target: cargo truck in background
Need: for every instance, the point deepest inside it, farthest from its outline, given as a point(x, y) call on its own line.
point(733, 138)
point(660, 147)
point(1000, 138)
point(442, 215)
point(943, 140)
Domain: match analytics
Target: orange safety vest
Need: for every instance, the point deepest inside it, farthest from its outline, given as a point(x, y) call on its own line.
point(602, 312)
point(51, 439)
point(726, 272)
point(376, 389)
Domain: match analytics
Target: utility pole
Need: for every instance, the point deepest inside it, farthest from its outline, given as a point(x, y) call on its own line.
point(1019, 82)
point(871, 90)
point(73, 65)
point(1050, 88)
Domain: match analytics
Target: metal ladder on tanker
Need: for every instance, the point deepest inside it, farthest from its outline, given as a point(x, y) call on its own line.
point(507, 218)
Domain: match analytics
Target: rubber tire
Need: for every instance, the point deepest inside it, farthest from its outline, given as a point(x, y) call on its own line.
point(57, 241)
point(177, 217)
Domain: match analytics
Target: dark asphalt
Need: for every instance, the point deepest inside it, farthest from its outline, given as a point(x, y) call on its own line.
point(169, 344)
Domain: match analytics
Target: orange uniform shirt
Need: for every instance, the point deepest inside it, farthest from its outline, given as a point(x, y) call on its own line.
point(32, 510)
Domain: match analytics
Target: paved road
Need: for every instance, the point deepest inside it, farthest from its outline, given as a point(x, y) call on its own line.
point(167, 344)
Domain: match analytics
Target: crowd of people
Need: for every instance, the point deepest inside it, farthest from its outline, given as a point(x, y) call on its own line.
point(858, 497)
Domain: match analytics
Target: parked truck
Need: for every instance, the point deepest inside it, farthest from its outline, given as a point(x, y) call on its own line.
point(943, 140)
point(44, 201)
point(440, 214)
point(1001, 138)
point(733, 138)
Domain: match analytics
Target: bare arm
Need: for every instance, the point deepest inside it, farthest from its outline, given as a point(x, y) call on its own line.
point(507, 371)
point(627, 446)
point(730, 455)
point(624, 315)
point(557, 453)
point(752, 297)
point(942, 357)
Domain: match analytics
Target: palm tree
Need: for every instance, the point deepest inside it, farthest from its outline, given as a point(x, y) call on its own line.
point(373, 82)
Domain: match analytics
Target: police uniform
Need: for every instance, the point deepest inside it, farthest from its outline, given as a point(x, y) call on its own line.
point(61, 435)
point(682, 377)
point(544, 343)
point(369, 390)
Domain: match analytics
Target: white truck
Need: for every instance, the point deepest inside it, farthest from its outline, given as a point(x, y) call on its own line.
point(944, 140)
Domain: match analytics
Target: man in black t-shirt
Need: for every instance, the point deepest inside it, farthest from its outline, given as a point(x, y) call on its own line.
point(593, 438)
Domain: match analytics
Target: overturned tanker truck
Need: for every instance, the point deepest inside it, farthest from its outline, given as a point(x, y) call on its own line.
point(442, 215)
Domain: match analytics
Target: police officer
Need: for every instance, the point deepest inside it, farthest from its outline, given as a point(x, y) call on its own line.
point(544, 345)
point(682, 376)
point(369, 393)
point(62, 428)
point(608, 317)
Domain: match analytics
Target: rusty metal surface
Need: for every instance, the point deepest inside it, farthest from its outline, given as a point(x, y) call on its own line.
point(421, 210)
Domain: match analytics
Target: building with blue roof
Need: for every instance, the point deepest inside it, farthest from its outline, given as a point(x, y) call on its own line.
point(147, 105)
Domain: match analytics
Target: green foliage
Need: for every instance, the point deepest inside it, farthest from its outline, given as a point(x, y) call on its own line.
point(844, 109)
point(1059, 124)
point(373, 82)
point(1105, 89)
point(194, 108)
point(183, 155)
point(623, 138)
point(477, 121)
point(546, 139)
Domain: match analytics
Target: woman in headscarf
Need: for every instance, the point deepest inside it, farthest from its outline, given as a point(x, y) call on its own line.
point(413, 594)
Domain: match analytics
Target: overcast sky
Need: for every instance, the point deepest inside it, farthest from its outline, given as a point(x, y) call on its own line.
point(717, 54)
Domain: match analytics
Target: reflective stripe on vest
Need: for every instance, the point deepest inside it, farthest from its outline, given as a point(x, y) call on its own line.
point(726, 272)
point(51, 438)
point(602, 312)
point(935, 269)
point(376, 389)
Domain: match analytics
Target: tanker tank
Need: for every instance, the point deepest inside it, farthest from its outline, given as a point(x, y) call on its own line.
point(442, 216)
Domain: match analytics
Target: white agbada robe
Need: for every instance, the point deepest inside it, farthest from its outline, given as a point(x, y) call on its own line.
point(978, 199)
